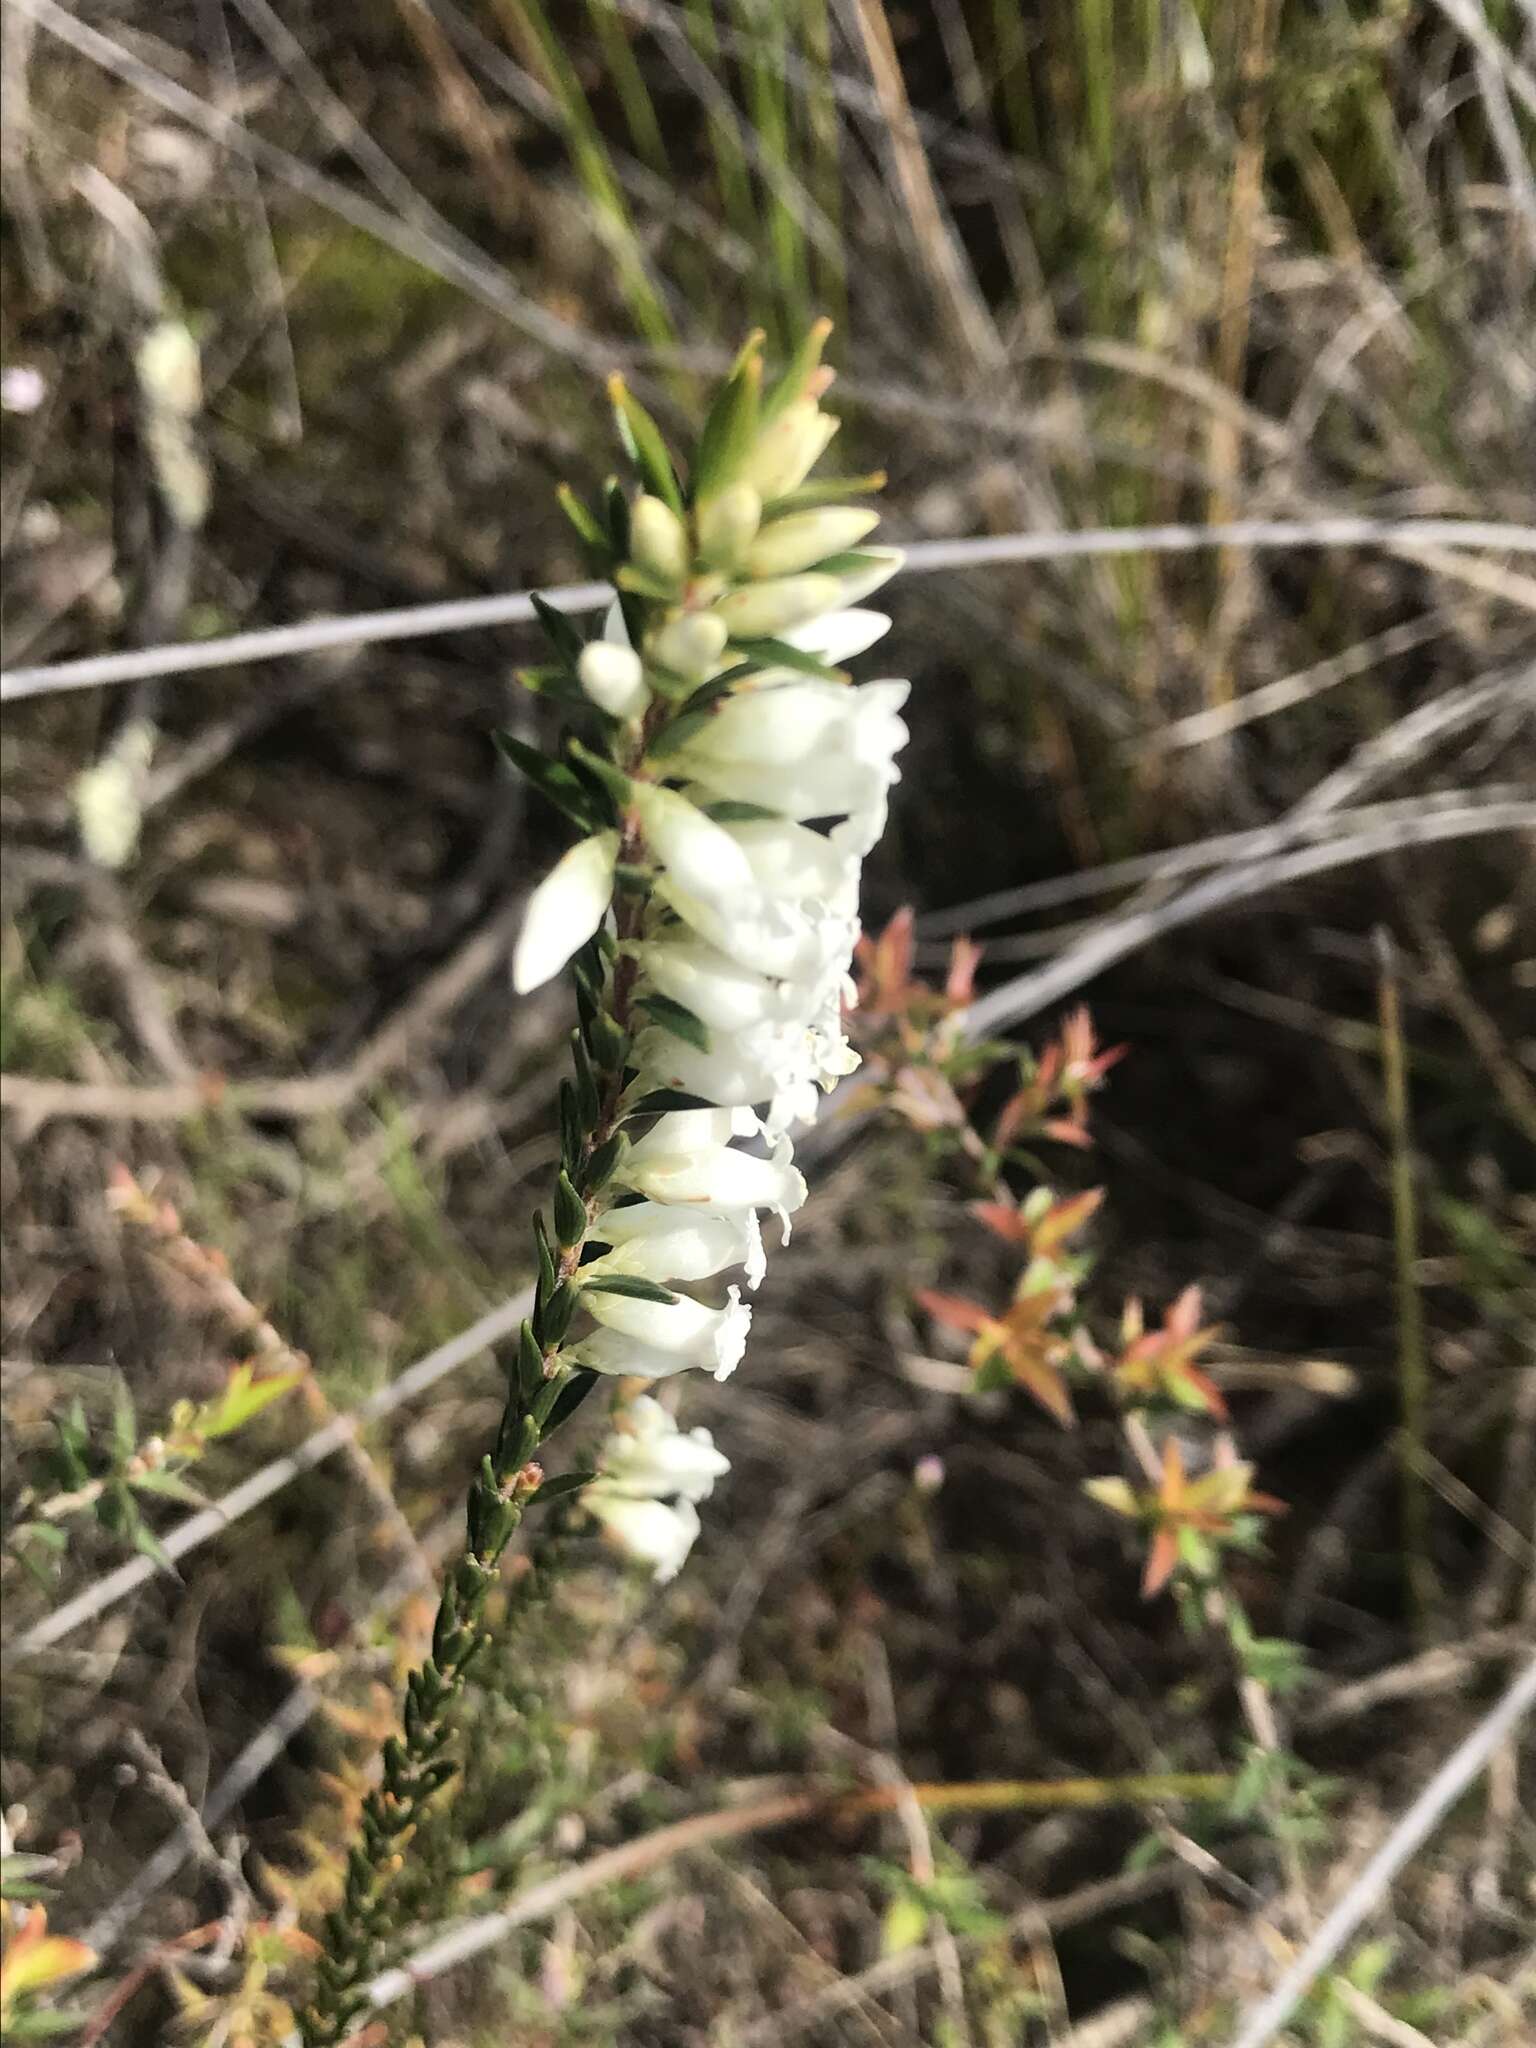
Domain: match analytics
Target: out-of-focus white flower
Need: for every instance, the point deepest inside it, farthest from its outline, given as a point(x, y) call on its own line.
point(648, 1456)
point(564, 910)
point(683, 1332)
point(802, 539)
point(719, 991)
point(661, 1243)
point(847, 776)
point(22, 388)
point(787, 721)
point(788, 941)
point(653, 1532)
point(695, 850)
point(614, 678)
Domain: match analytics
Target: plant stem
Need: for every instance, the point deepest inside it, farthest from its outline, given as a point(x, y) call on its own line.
point(416, 1763)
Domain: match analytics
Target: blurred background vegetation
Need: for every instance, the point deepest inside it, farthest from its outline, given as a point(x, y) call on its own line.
point(1091, 265)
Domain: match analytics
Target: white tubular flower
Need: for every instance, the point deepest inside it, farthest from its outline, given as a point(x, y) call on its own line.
point(665, 1244)
point(784, 940)
point(650, 1531)
point(677, 1166)
point(613, 678)
point(787, 721)
point(802, 539)
point(654, 1339)
point(846, 777)
point(791, 861)
point(565, 910)
point(648, 1457)
point(718, 990)
point(695, 850)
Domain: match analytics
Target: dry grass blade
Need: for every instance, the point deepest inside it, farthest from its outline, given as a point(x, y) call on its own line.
point(412, 622)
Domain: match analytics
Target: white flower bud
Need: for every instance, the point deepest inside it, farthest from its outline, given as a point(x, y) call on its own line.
point(565, 910)
point(857, 583)
point(690, 645)
point(614, 678)
point(694, 849)
point(802, 539)
point(837, 636)
point(788, 448)
point(763, 610)
point(658, 540)
point(726, 524)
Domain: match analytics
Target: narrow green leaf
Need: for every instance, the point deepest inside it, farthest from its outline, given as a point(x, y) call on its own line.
point(677, 1018)
point(530, 1363)
point(729, 430)
point(824, 490)
point(560, 1487)
point(642, 440)
point(562, 635)
point(670, 1098)
point(677, 732)
point(570, 1212)
point(586, 525)
point(633, 1286)
point(570, 1398)
point(730, 810)
point(601, 1165)
point(556, 781)
point(613, 780)
point(798, 371)
point(780, 654)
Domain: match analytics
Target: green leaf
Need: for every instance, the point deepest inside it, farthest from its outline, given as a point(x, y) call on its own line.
point(613, 780)
point(732, 811)
point(553, 680)
point(570, 1398)
point(668, 1098)
point(556, 781)
point(570, 1128)
point(797, 372)
point(172, 1486)
point(530, 1363)
point(677, 1018)
point(730, 429)
point(546, 1257)
point(243, 1398)
point(586, 525)
point(823, 490)
point(677, 732)
point(780, 654)
point(570, 1212)
point(643, 443)
point(560, 1487)
point(601, 1165)
point(631, 1285)
point(145, 1539)
point(562, 635)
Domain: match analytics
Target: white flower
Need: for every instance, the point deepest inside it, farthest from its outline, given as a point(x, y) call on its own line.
point(880, 566)
point(564, 910)
point(661, 1243)
point(690, 645)
point(785, 722)
point(650, 1531)
point(648, 1457)
point(719, 991)
point(694, 849)
point(22, 388)
point(787, 941)
point(677, 1162)
point(613, 678)
point(802, 539)
point(790, 860)
point(657, 1338)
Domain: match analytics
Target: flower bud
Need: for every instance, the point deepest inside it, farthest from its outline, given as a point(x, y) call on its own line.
point(693, 848)
point(564, 910)
point(763, 610)
point(653, 1532)
point(787, 449)
point(690, 645)
point(658, 540)
point(726, 524)
point(613, 678)
point(803, 539)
